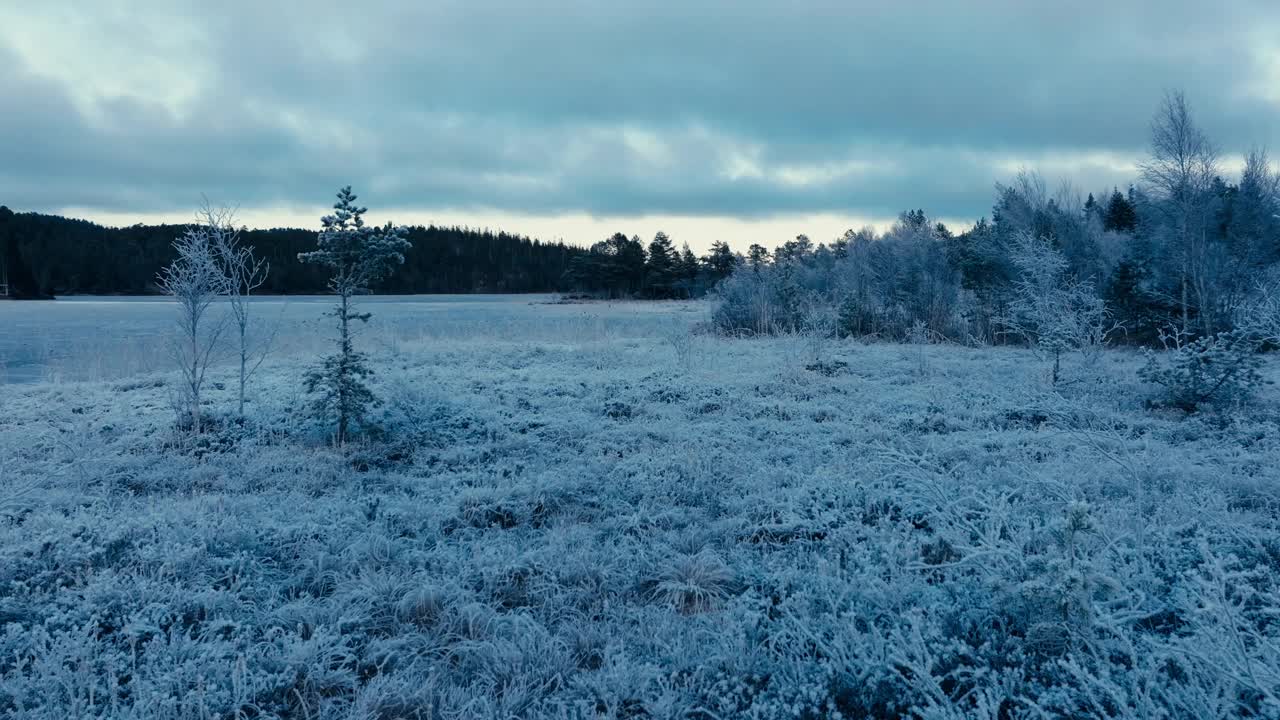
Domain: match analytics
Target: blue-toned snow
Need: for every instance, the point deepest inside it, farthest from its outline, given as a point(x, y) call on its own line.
point(589, 511)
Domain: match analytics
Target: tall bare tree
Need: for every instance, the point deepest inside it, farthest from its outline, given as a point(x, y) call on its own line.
point(1180, 174)
point(244, 272)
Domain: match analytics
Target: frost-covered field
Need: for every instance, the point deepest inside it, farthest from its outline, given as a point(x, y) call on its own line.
point(587, 512)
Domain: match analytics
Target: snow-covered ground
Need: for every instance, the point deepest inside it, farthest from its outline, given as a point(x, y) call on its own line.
point(586, 511)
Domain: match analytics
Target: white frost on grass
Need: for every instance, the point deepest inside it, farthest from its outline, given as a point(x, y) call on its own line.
point(607, 523)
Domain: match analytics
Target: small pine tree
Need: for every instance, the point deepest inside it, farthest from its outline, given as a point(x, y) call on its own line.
point(1218, 370)
point(358, 256)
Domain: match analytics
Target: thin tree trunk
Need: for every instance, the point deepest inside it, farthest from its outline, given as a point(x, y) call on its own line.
point(195, 373)
point(1186, 319)
point(342, 371)
point(243, 363)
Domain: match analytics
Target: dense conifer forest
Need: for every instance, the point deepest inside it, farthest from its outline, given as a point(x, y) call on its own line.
point(50, 255)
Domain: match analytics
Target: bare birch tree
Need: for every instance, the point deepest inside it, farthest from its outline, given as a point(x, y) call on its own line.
point(244, 272)
point(1180, 174)
point(195, 280)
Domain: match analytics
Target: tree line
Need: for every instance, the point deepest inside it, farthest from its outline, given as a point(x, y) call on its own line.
point(1184, 252)
point(621, 266)
point(49, 255)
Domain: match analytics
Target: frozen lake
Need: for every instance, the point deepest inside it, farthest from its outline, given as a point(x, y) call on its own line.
point(103, 338)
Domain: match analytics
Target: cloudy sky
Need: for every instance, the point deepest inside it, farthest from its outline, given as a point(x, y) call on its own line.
point(736, 120)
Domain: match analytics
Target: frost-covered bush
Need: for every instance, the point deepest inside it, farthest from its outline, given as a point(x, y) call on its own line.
point(754, 302)
point(869, 285)
point(884, 285)
point(819, 320)
point(681, 339)
point(1260, 313)
point(1052, 311)
point(1221, 370)
point(695, 583)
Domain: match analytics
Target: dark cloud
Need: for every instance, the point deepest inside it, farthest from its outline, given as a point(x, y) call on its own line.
point(728, 108)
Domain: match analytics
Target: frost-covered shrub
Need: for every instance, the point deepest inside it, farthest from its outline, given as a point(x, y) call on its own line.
point(1260, 312)
point(695, 583)
point(681, 340)
point(868, 286)
point(1052, 311)
point(16, 494)
point(1220, 370)
point(818, 323)
point(753, 302)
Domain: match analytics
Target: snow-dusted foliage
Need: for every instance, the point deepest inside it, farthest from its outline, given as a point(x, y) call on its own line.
point(750, 301)
point(871, 285)
point(1260, 313)
point(1051, 310)
point(1221, 370)
point(593, 526)
point(195, 280)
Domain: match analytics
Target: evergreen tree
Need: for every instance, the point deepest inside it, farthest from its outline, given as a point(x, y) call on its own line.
point(720, 261)
point(1120, 215)
point(688, 271)
point(357, 256)
point(584, 272)
point(840, 248)
point(1253, 217)
point(758, 255)
point(631, 264)
point(621, 264)
point(13, 269)
point(793, 249)
point(614, 266)
point(660, 267)
point(65, 256)
point(1131, 303)
point(914, 218)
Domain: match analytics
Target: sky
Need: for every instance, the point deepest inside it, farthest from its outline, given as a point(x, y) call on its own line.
point(733, 120)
